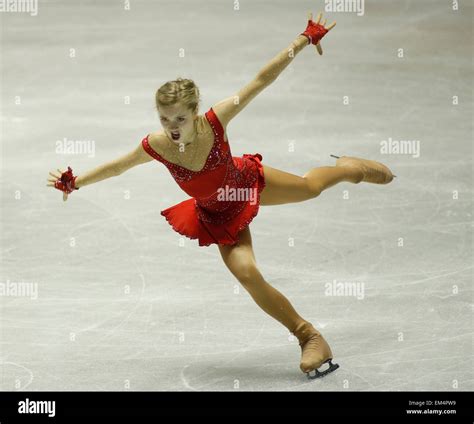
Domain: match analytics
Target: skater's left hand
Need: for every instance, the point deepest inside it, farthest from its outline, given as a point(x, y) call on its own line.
point(315, 31)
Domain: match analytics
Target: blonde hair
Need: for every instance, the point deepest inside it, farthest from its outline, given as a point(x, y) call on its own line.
point(181, 90)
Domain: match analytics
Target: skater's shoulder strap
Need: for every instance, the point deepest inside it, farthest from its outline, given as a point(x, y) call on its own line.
point(216, 124)
point(150, 150)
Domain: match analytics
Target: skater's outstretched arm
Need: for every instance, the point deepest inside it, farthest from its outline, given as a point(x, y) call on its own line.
point(115, 167)
point(109, 169)
point(228, 108)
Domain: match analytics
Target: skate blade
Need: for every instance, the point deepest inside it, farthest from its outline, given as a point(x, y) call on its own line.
point(320, 374)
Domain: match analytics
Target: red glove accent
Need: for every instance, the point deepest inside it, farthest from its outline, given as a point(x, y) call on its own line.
point(314, 32)
point(67, 182)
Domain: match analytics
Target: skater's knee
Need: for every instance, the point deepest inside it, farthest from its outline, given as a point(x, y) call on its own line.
point(248, 274)
point(313, 186)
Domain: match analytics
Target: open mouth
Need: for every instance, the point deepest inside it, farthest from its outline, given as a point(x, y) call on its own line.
point(175, 135)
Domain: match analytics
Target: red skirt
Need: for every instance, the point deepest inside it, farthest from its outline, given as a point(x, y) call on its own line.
point(184, 218)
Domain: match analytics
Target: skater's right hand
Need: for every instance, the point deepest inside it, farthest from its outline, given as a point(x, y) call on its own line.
point(64, 181)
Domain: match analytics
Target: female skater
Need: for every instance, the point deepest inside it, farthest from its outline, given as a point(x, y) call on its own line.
point(226, 191)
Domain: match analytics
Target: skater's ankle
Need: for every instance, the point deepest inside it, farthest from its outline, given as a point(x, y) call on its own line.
point(304, 330)
point(299, 325)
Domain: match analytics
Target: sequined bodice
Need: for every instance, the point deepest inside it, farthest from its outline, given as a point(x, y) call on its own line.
point(219, 171)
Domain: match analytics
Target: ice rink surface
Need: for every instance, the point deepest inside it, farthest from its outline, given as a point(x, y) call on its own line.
point(119, 301)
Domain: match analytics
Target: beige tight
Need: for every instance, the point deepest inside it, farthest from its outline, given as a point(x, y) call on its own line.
point(241, 262)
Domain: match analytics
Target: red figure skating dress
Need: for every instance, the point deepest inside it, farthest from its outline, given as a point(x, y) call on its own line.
point(217, 210)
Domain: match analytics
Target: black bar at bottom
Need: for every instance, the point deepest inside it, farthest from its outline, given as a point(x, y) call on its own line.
point(416, 406)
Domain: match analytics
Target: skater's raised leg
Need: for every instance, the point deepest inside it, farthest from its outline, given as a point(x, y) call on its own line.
point(282, 187)
point(240, 260)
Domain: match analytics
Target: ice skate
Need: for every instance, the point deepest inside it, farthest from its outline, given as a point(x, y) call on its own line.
point(314, 351)
point(373, 172)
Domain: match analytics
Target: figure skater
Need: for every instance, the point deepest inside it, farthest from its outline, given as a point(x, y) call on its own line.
point(226, 191)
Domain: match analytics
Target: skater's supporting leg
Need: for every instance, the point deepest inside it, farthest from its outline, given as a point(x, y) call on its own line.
point(240, 260)
point(282, 187)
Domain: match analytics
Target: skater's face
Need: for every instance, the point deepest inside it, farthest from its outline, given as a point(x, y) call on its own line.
point(178, 122)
